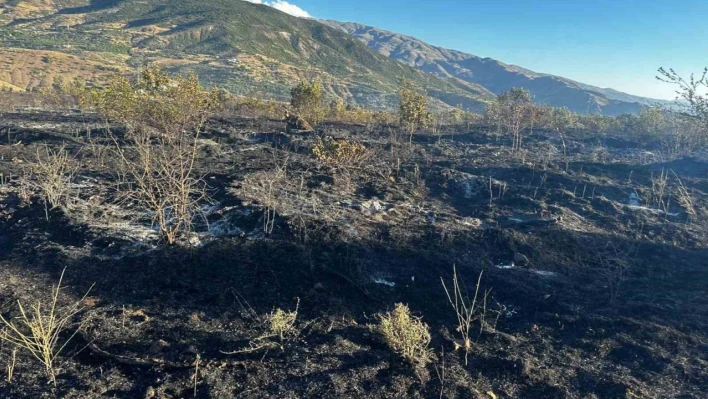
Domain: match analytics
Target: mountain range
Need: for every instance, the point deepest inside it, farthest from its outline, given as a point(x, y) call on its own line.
point(257, 50)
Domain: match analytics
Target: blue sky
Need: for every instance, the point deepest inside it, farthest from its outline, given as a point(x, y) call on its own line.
point(608, 43)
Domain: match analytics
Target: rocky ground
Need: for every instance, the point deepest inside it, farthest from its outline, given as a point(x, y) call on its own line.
point(612, 304)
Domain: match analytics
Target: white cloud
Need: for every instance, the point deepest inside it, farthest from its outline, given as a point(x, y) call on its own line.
point(285, 7)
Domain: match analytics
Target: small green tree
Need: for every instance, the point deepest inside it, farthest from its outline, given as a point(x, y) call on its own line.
point(413, 109)
point(514, 112)
point(306, 98)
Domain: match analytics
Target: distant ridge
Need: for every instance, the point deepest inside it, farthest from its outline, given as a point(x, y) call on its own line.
point(494, 75)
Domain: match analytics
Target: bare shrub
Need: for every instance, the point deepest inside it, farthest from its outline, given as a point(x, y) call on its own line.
point(612, 263)
point(52, 174)
point(280, 192)
point(693, 91)
point(685, 198)
point(40, 329)
point(406, 334)
point(513, 111)
point(164, 118)
point(692, 118)
point(264, 187)
point(467, 311)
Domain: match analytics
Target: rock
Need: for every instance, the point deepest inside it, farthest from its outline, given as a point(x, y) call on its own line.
point(521, 260)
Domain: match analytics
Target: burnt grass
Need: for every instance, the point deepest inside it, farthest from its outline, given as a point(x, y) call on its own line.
point(568, 326)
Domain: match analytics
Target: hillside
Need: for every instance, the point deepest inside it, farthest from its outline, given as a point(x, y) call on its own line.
point(244, 47)
point(494, 75)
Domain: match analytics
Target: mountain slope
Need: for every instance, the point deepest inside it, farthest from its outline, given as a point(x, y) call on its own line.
point(245, 47)
point(494, 75)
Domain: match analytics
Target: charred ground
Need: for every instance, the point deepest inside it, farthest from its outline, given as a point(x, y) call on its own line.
point(614, 305)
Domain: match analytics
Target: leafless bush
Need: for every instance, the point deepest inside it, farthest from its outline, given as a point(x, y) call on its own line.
point(467, 311)
point(282, 192)
point(53, 172)
point(685, 198)
point(164, 118)
point(514, 112)
point(612, 262)
point(40, 329)
point(265, 187)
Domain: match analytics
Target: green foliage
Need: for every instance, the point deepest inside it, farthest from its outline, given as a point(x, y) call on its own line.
point(64, 39)
point(156, 103)
point(218, 27)
point(306, 99)
point(337, 108)
point(413, 108)
point(559, 119)
point(652, 121)
point(596, 122)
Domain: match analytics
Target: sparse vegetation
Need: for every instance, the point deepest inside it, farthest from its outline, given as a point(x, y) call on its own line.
point(582, 222)
point(282, 323)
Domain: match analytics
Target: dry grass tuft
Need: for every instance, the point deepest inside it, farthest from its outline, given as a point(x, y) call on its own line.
point(39, 330)
point(282, 323)
point(406, 334)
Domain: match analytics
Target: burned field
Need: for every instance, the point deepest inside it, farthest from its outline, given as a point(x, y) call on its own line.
point(276, 290)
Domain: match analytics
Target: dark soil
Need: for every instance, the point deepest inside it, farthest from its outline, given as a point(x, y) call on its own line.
point(387, 231)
